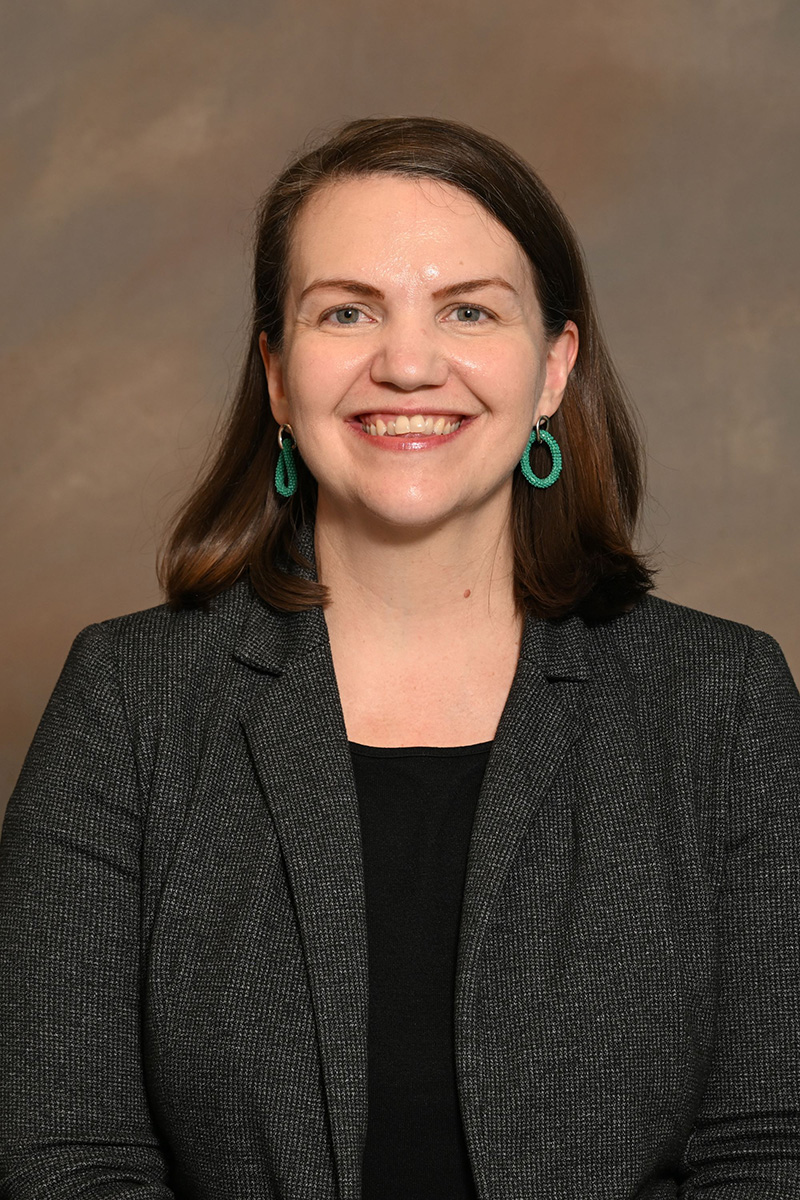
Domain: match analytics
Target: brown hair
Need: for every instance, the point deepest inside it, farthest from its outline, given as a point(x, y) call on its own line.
point(572, 542)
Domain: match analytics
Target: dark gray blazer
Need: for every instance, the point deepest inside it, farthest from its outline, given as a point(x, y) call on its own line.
point(184, 957)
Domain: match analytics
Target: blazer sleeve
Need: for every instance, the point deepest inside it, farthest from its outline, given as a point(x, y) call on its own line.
point(746, 1140)
point(74, 1118)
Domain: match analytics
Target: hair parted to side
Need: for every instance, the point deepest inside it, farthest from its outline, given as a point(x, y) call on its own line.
point(572, 542)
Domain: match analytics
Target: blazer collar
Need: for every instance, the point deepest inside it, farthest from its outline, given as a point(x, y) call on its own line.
point(272, 641)
point(558, 648)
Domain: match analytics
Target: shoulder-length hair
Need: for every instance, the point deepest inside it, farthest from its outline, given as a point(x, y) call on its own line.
point(572, 542)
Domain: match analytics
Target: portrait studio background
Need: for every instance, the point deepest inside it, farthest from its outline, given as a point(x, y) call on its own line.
point(137, 138)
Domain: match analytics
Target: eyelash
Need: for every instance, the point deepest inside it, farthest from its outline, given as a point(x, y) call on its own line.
point(474, 308)
point(331, 312)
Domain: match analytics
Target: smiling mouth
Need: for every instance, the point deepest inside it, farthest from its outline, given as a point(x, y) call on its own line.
point(418, 424)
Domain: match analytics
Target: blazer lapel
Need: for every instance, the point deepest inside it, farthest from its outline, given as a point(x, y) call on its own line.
point(298, 741)
point(541, 719)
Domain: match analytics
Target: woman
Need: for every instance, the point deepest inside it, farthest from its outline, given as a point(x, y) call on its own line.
point(412, 849)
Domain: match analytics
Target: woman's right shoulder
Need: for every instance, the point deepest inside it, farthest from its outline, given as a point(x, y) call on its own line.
point(160, 662)
point(163, 639)
point(149, 679)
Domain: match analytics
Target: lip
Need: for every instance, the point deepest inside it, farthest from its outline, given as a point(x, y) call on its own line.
point(411, 441)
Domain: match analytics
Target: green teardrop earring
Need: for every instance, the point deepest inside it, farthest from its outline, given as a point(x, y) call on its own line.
point(285, 469)
point(539, 434)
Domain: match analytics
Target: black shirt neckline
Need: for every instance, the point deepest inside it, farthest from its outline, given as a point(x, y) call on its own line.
point(418, 751)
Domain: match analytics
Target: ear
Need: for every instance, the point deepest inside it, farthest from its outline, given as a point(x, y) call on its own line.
point(561, 354)
point(273, 367)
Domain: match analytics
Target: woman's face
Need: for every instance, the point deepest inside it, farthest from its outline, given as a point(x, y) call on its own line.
point(411, 312)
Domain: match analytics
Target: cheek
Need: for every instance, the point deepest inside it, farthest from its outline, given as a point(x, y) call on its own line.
point(507, 376)
point(317, 379)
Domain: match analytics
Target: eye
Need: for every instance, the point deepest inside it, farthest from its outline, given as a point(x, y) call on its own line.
point(469, 314)
point(348, 315)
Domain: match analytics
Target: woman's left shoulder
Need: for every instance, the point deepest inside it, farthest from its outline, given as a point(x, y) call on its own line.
point(713, 694)
point(659, 630)
point(680, 650)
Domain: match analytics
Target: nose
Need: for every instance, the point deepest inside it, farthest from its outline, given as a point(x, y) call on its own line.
point(409, 356)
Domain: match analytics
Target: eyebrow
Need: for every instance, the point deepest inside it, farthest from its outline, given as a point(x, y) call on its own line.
point(473, 285)
point(356, 288)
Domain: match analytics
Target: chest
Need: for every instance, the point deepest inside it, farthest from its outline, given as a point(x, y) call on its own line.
point(583, 994)
point(439, 699)
point(258, 980)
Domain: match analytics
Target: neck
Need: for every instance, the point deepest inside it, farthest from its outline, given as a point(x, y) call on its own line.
point(451, 580)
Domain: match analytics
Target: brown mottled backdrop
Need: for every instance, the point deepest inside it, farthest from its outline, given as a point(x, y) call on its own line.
point(136, 138)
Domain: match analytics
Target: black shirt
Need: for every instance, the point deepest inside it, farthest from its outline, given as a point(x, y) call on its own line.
point(417, 806)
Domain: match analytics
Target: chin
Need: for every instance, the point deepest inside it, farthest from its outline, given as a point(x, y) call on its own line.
point(419, 522)
point(411, 509)
point(399, 513)
point(414, 514)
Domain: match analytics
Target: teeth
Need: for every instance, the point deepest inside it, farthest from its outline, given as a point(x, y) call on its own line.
point(416, 424)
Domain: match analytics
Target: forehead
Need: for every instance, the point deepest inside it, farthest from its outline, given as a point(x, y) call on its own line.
point(415, 228)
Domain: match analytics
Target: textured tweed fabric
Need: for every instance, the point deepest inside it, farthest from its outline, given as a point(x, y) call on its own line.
point(184, 969)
